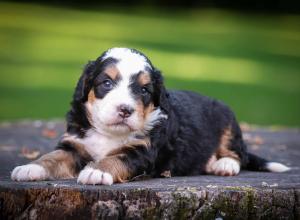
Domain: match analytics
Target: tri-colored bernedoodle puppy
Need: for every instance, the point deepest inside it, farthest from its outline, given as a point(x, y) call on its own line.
point(123, 123)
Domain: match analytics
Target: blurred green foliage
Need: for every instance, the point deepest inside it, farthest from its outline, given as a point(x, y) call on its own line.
point(250, 61)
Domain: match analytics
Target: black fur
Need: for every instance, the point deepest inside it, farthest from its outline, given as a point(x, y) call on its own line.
point(256, 163)
point(184, 142)
point(192, 133)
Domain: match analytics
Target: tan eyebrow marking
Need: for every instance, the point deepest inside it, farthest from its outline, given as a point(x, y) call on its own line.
point(144, 78)
point(112, 72)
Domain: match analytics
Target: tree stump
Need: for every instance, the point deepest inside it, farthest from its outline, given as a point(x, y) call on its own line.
point(250, 195)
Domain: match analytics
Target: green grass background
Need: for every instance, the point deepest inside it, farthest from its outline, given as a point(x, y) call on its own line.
point(251, 62)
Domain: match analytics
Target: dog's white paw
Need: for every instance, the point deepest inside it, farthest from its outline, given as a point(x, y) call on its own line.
point(226, 166)
point(93, 176)
point(29, 172)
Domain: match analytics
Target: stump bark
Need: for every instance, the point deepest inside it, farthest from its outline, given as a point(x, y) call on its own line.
point(250, 195)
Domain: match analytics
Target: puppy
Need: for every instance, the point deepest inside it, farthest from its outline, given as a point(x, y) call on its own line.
point(124, 123)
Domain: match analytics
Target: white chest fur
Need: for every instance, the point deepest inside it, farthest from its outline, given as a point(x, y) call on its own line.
point(98, 145)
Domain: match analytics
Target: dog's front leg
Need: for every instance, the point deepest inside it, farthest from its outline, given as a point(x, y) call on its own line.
point(118, 166)
point(63, 163)
point(58, 164)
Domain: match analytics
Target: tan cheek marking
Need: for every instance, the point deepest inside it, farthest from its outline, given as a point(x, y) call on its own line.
point(91, 96)
point(112, 72)
point(148, 110)
point(223, 149)
point(143, 112)
point(140, 109)
point(116, 168)
point(91, 99)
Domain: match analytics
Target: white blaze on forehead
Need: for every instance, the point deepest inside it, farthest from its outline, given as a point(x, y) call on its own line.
point(105, 112)
point(129, 62)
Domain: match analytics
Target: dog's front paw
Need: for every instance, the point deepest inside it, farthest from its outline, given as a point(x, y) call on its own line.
point(226, 166)
point(29, 172)
point(93, 176)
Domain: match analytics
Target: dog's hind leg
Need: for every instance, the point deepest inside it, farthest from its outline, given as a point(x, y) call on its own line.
point(226, 160)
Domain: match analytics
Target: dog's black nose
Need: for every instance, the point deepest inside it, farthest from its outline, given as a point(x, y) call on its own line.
point(125, 111)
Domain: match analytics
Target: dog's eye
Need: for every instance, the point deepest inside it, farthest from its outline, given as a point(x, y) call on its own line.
point(145, 91)
point(107, 84)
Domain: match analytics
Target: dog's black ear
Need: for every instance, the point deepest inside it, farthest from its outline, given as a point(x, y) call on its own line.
point(77, 121)
point(160, 95)
point(84, 83)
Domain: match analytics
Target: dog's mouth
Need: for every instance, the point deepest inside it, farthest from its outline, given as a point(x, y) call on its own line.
point(121, 124)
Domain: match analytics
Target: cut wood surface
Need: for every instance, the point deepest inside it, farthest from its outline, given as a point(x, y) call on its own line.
point(250, 195)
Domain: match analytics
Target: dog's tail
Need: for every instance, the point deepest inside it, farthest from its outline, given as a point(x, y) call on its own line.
point(256, 163)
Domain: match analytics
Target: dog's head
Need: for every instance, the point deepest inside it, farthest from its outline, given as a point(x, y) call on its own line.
point(120, 93)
